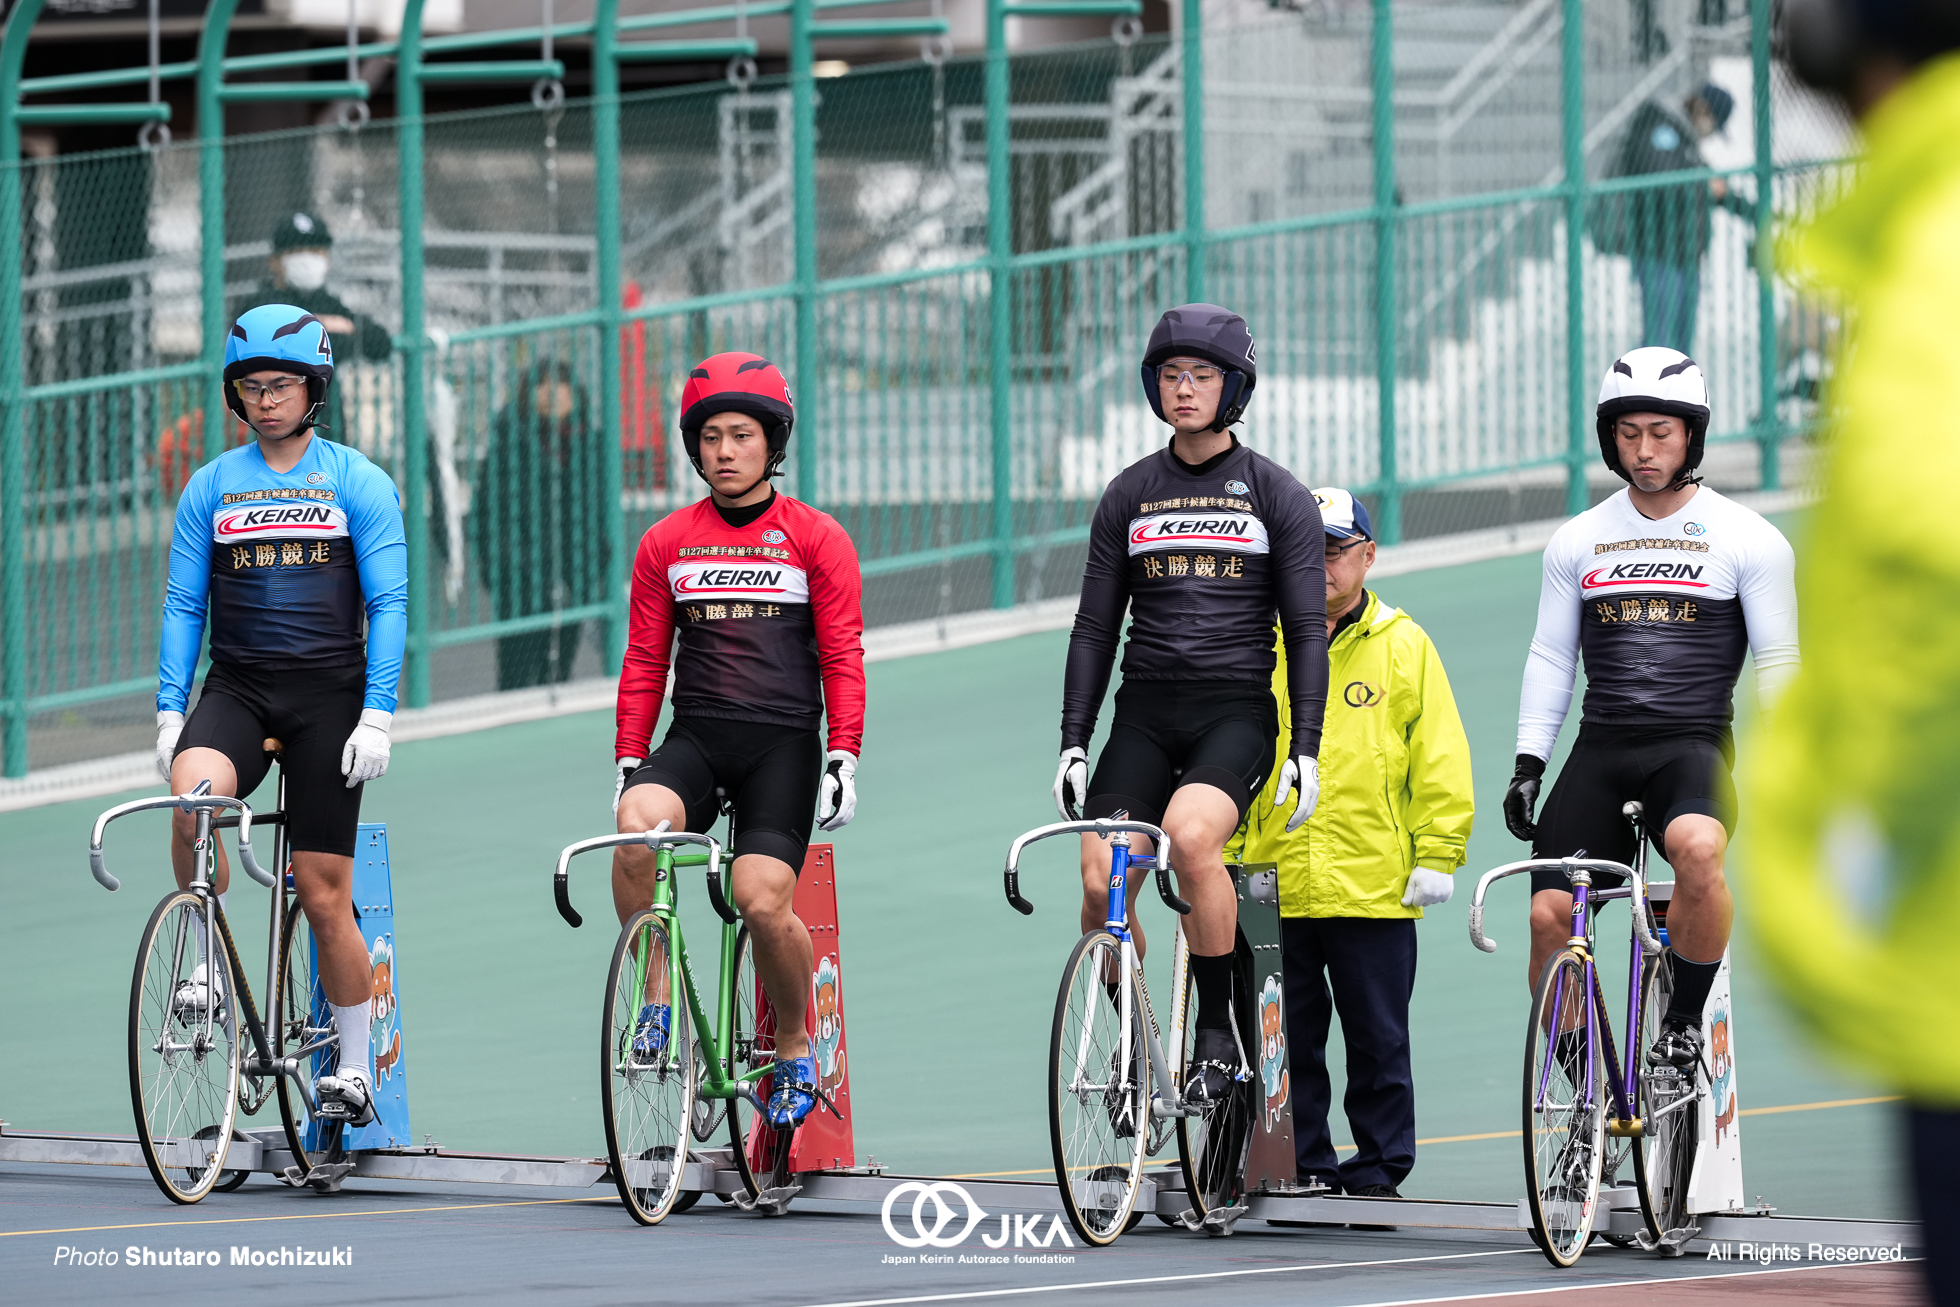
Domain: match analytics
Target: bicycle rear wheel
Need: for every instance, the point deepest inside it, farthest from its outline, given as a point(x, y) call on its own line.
point(1211, 1149)
point(183, 1060)
point(1564, 1128)
point(648, 1100)
point(1672, 1115)
point(1098, 1090)
point(1656, 979)
point(758, 1148)
point(301, 1027)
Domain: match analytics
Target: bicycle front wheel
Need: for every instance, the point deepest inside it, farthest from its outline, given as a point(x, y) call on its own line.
point(648, 1097)
point(1098, 1090)
point(302, 1027)
point(1564, 1128)
point(183, 1051)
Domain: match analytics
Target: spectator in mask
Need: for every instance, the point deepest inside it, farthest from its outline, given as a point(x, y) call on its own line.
point(537, 519)
point(302, 256)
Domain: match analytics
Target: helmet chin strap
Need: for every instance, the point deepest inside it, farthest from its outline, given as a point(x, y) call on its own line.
point(774, 466)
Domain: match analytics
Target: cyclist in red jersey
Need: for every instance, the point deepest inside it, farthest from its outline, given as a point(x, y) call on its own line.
point(761, 594)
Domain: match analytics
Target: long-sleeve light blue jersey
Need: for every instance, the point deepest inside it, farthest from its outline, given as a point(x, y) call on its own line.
point(286, 563)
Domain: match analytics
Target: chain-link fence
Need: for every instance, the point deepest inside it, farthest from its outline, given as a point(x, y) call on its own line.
point(951, 508)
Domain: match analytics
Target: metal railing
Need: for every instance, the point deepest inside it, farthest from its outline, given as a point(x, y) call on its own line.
point(961, 404)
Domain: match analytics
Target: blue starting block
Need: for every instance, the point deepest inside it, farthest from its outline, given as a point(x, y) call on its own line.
point(374, 904)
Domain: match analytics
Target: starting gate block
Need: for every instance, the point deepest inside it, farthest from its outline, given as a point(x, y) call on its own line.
point(1270, 1164)
point(374, 904)
point(823, 1142)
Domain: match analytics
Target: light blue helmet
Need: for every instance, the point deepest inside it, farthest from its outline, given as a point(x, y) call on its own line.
point(279, 338)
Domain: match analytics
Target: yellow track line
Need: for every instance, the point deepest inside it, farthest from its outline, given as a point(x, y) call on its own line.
point(310, 1216)
point(1503, 1134)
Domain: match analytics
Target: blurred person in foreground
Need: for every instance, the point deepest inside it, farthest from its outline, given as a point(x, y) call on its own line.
point(536, 518)
point(1853, 873)
point(1394, 819)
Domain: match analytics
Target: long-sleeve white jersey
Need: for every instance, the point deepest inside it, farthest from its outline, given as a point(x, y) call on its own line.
point(1662, 611)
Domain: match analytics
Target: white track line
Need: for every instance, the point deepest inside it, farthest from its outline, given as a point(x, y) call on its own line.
point(1169, 1279)
point(1337, 1266)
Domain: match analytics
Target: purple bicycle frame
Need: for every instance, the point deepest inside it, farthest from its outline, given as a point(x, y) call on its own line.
point(1620, 1082)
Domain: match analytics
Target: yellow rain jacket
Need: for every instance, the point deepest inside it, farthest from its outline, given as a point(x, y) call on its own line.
point(1851, 879)
point(1394, 777)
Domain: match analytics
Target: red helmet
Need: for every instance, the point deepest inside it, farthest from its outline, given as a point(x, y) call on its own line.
point(738, 383)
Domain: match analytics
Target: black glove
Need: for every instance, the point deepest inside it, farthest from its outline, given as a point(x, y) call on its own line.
point(1522, 798)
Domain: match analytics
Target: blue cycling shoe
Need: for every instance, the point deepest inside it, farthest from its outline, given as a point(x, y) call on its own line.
point(650, 1035)
point(795, 1092)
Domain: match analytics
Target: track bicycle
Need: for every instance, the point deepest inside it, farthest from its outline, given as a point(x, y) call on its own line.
point(654, 1105)
point(1113, 1096)
point(1586, 1112)
point(187, 1079)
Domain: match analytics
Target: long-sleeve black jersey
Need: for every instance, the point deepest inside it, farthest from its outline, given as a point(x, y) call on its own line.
point(1201, 556)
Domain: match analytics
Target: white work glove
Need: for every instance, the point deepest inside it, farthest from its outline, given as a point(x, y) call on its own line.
point(624, 767)
point(1072, 784)
point(1302, 773)
point(170, 725)
point(366, 756)
point(1428, 887)
point(837, 800)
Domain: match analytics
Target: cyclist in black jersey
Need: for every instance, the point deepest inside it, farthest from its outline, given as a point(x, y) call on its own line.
point(1200, 542)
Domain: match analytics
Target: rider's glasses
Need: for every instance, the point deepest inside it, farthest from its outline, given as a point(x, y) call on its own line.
point(1197, 374)
point(275, 394)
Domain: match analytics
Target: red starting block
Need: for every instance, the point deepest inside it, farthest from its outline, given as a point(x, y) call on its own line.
point(823, 1142)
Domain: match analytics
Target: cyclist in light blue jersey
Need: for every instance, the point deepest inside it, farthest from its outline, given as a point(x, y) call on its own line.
point(293, 547)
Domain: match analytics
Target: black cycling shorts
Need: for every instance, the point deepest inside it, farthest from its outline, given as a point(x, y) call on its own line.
point(771, 773)
point(1169, 734)
point(310, 710)
point(1671, 772)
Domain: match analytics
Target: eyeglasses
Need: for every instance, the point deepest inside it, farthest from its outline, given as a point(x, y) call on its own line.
point(1197, 374)
point(275, 394)
point(1334, 552)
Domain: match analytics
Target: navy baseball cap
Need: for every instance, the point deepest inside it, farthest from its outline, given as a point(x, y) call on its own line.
point(1344, 516)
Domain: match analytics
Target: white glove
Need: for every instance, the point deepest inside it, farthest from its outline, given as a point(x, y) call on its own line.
point(624, 767)
point(1428, 887)
point(366, 756)
point(837, 800)
point(1072, 784)
point(1302, 773)
point(170, 725)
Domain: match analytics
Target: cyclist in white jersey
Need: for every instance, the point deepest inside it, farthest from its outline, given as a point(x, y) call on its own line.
point(1660, 587)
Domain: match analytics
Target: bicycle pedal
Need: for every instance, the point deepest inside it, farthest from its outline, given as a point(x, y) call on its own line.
point(1219, 1221)
point(323, 1178)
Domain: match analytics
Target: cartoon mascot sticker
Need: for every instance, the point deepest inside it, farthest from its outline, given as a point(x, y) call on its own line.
point(1722, 1065)
point(385, 1022)
point(827, 1015)
point(1272, 1052)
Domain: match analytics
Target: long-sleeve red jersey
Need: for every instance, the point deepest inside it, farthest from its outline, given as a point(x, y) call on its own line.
point(764, 612)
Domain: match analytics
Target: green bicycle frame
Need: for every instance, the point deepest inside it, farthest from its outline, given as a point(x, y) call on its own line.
point(721, 1081)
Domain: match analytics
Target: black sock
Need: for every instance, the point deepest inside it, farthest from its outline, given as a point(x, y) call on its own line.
point(1213, 980)
point(1691, 984)
point(1109, 988)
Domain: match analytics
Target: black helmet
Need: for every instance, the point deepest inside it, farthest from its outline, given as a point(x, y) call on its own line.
point(1205, 331)
point(1654, 379)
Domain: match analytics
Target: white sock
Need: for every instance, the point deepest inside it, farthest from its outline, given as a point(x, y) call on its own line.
point(198, 935)
point(352, 1023)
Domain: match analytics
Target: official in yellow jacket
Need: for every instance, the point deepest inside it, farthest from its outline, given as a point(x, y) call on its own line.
point(1851, 876)
point(1385, 842)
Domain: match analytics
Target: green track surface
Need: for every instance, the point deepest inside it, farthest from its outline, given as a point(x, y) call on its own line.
point(948, 993)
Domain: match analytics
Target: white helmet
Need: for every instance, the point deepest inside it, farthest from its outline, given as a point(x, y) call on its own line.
point(1654, 379)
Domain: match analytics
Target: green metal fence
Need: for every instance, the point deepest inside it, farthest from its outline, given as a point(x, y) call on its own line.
point(957, 260)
